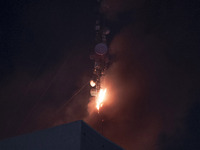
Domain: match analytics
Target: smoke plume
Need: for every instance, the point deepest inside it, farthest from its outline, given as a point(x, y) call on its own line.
point(150, 83)
point(152, 99)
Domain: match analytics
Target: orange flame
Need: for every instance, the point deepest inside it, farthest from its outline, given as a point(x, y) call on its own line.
point(100, 98)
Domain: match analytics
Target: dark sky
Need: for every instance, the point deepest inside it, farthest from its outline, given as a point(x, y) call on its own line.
point(153, 81)
point(45, 47)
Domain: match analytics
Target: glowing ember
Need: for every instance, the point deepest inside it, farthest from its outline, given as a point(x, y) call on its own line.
point(92, 83)
point(100, 98)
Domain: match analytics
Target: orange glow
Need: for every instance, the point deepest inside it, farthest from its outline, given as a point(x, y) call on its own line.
point(100, 98)
point(92, 83)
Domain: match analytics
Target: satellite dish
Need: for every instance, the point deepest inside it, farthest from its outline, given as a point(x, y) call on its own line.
point(101, 49)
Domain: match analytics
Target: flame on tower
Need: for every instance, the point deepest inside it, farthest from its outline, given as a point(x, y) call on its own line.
point(92, 83)
point(100, 98)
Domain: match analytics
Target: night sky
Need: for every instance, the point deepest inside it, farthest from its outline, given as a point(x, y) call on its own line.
point(153, 81)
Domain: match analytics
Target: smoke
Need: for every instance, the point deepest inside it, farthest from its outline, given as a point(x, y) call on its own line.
point(150, 82)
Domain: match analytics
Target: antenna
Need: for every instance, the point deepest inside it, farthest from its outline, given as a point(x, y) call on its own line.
point(100, 56)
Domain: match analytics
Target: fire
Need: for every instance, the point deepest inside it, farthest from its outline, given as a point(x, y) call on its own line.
point(92, 83)
point(100, 98)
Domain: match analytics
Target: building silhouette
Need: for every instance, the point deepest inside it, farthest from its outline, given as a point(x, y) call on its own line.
point(73, 136)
